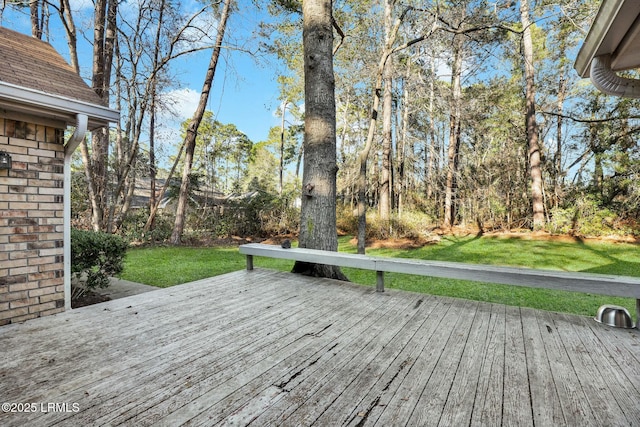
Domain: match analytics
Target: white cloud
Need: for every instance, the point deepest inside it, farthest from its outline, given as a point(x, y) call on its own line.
point(179, 105)
point(176, 107)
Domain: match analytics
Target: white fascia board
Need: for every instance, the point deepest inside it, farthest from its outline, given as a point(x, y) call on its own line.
point(38, 100)
point(600, 27)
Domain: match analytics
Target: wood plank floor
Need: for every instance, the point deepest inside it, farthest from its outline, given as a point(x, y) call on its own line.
point(267, 348)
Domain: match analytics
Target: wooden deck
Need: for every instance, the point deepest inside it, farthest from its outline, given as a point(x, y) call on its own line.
point(268, 348)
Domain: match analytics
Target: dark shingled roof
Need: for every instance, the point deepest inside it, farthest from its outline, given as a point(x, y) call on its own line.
point(33, 64)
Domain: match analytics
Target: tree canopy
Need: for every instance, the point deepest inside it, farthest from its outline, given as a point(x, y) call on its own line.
point(450, 113)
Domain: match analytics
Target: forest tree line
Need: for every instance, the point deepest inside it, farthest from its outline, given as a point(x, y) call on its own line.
point(449, 113)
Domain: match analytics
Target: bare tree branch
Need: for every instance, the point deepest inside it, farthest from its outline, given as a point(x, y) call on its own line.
point(583, 120)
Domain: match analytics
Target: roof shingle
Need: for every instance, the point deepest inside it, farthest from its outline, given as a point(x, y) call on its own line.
point(33, 64)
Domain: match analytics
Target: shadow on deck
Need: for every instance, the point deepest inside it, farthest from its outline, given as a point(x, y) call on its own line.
point(271, 348)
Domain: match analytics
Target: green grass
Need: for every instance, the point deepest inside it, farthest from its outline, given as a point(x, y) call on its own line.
point(168, 266)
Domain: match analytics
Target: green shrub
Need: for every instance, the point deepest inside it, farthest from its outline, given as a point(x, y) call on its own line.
point(133, 226)
point(562, 220)
point(347, 219)
point(410, 225)
point(96, 256)
point(585, 217)
point(255, 214)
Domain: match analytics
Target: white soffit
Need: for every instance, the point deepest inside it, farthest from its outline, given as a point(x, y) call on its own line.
point(40, 103)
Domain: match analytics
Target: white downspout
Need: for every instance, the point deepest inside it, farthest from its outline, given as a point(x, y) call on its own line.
point(607, 81)
point(71, 145)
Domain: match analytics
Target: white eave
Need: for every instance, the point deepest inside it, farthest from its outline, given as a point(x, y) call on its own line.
point(615, 32)
point(37, 103)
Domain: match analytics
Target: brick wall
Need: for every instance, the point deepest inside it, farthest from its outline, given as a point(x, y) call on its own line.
point(31, 222)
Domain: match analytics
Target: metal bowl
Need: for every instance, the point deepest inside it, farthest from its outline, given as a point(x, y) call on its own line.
point(614, 315)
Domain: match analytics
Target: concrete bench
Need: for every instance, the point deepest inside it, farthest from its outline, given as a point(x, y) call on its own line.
point(621, 286)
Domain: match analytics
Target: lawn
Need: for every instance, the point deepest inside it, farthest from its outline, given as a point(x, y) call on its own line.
point(169, 266)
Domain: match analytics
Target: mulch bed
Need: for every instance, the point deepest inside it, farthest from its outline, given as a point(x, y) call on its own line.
point(89, 298)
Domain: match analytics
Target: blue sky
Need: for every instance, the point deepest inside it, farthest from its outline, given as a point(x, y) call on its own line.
point(245, 91)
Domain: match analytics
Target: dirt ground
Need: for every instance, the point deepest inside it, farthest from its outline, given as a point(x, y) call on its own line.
point(437, 234)
point(89, 298)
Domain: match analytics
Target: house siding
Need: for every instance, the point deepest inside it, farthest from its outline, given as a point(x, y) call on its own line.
point(31, 222)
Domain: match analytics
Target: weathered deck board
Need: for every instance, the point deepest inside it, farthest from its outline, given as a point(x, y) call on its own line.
point(271, 348)
point(487, 408)
point(547, 408)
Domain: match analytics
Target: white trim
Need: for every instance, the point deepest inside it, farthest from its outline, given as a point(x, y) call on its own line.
point(612, 32)
point(69, 148)
point(39, 101)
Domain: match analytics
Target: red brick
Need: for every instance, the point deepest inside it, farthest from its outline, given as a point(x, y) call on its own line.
point(24, 254)
point(23, 286)
point(12, 296)
point(10, 247)
point(50, 312)
point(42, 245)
point(52, 297)
point(41, 153)
point(14, 313)
point(41, 260)
point(24, 318)
point(14, 197)
point(23, 206)
point(41, 198)
point(32, 223)
point(19, 238)
point(23, 302)
point(51, 251)
point(52, 282)
point(15, 263)
point(42, 307)
point(6, 280)
point(23, 270)
point(14, 213)
point(58, 266)
point(20, 142)
point(42, 276)
point(41, 291)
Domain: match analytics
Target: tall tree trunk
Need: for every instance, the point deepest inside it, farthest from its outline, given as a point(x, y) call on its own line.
point(363, 156)
point(66, 17)
point(557, 176)
point(39, 17)
point(535, 169)
point(152, 154)
point(152, 116)
point(318, 213)
point(433, 150)
point(401, 157)
point(454, 134)
point(154, 209)
point(384, 203)
point(558, 180)
point(192, 128)
point(96, 159)
point(282, 136)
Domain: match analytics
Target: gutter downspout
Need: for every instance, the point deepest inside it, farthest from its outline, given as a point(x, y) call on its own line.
point(607, 81)
point(71, 145)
